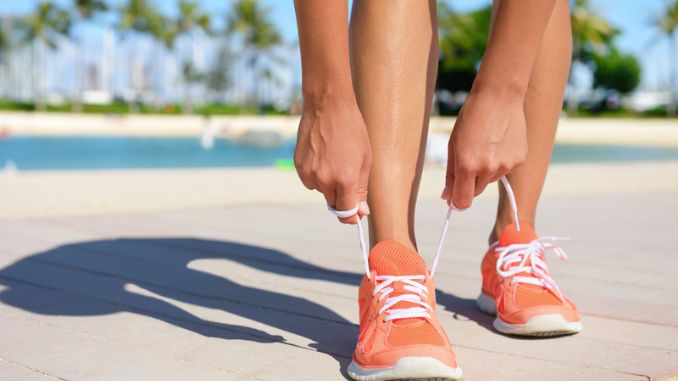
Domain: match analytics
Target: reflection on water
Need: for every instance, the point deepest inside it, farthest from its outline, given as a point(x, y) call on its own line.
point(33, 153)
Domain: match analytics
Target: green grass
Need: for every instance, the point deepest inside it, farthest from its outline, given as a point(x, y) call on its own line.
point(123, 108)
point(15, 106)
point(659, 112)
point(237, 109)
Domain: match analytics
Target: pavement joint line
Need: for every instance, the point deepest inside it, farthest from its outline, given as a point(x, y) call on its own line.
point(620, 268)
point(442, 311)
point(251, 305)
point(217, 327)
point(155, 313)
point(641, 321)
point(584, 313)
point(179, 291)
point(276, 263)
point(38, 321)
point(581, 366)
point(107, 340)
point(129, 308)
point(29, 369)
point(246, 258)
point(580, 337)
point(280, 310)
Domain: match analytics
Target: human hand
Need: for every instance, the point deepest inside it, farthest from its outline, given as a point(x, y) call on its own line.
point(489, 139)
point(333, 154)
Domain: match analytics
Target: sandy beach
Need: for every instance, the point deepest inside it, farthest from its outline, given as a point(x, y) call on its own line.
point(656, 132)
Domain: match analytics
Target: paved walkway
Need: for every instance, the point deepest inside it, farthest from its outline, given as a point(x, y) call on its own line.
point(267, 292)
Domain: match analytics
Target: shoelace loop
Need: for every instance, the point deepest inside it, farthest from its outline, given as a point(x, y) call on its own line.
point(415, 288)
point(417, 295)
point(527, 258)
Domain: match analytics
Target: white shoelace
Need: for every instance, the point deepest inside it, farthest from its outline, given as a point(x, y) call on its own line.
point(417, 295)
point(513, 260)
point(412, 283)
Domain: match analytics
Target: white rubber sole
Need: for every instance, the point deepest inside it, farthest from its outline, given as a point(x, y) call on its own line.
point(542, 325)
point(419, 368)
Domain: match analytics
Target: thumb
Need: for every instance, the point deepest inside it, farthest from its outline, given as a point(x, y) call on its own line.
point(363, 182)
point(364, 209)
point(449, 174)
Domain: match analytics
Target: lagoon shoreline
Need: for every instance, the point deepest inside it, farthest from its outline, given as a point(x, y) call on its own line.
point(647, 132)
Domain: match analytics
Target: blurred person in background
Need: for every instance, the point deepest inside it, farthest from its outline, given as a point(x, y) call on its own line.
point(367, 91)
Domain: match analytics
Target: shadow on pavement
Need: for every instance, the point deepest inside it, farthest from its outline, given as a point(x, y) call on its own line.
point(94, 278)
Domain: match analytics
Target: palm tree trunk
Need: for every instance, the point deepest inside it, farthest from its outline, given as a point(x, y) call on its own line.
point(133, 106)
point(37, 76)
point(573, 98)
point(77, 99)
point(186, 104)
point(255, 84)
point(673, 101)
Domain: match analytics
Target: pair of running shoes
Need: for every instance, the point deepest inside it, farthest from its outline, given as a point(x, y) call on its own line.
point(400, 335)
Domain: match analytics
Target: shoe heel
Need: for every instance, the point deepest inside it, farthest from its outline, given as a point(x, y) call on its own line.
point(486, 304)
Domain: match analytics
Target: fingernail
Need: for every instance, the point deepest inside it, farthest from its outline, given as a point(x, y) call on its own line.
point(445, 193)
point(453, 205)
point(364, 207)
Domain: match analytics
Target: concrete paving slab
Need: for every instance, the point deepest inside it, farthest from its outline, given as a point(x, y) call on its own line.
point(267, 291)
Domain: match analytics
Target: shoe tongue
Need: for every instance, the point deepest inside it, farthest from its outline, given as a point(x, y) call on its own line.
point(511, 235)
point(392, 258)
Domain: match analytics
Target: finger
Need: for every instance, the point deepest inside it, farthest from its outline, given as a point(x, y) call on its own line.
point(364, 209)
point(463, 190)
point(308, 182)
point(481, 184)
point(330, 197)
point(501, 172)
point(347, 199)
point(449, 175)
point(447, 191)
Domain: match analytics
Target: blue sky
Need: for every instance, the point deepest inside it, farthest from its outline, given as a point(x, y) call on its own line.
point(633, 17)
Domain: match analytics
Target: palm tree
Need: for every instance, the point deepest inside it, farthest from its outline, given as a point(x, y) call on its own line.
point(592, 35)
point(463, 39)
point(217, 78)
point(667, 24)
point(5, 46)
point(191, 19)
point(4, 40)
point(45, 26)
point(138, 17)
point(259, 35)
point(85, 10)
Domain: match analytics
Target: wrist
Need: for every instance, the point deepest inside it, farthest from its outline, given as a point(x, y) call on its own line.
point(319, 95)
point(503, 89)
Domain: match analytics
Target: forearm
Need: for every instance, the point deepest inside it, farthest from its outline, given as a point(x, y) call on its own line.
point(323, 41)
point(515, 38)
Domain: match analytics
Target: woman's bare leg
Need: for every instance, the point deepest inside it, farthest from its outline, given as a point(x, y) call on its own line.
point(394, 58)
point(543, 103)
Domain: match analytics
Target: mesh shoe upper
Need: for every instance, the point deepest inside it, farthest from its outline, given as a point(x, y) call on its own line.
point(381, 342)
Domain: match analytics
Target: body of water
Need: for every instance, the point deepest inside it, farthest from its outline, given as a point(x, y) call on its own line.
point(73, 153)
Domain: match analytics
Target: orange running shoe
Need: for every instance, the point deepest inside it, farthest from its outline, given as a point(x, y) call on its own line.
point(517, 286)
point(400, 335)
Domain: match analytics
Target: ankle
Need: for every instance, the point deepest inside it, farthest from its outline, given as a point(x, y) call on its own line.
point(501, 223)
point(404, 240)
